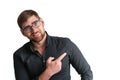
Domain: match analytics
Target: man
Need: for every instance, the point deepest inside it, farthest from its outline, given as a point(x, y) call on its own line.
point(46, 57)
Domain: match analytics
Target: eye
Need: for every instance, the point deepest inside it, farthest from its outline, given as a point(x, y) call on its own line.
point(35, 23)
point(26, 28)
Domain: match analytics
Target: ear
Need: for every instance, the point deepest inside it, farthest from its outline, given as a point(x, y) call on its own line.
point(42, 21)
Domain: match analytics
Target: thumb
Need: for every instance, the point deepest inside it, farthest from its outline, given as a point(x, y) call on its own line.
point(50, 59)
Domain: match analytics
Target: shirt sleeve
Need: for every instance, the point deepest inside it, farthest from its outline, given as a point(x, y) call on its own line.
point(79, 62)
point(20, 70)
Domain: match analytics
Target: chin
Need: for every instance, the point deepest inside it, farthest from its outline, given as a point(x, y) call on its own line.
point(37, 40)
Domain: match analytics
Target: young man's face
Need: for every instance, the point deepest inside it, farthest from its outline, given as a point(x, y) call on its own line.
point(33, 29)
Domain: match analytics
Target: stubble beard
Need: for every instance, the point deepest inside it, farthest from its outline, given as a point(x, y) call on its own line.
point(39, 39)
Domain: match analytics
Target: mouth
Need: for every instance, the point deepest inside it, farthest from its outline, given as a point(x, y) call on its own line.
point(36, 34)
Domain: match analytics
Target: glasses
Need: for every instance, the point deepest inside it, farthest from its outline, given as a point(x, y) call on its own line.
point(29, 27)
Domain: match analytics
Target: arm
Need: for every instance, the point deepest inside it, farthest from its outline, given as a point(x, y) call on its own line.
point(79, 63)
point(52, 67)
point(46, 75)
point(20, 70)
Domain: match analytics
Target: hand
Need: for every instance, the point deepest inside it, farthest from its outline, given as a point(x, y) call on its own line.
point(54, 66)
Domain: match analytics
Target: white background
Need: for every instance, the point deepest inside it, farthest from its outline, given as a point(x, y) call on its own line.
point(93, 25)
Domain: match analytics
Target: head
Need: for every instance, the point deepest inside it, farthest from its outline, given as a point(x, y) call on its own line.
point(31, 25)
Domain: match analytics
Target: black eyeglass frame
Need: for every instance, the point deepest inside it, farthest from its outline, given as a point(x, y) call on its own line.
point(28, 28)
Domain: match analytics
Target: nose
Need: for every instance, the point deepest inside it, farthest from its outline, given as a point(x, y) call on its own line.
point(33, 29)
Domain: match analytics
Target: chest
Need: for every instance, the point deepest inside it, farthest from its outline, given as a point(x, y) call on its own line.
point(36, 64)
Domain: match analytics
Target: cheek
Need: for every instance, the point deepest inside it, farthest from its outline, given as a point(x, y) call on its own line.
point(42, 30)
point(28, 35)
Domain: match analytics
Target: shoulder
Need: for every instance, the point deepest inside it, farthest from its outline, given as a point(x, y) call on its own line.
point(60, 42)
point(22, 50)
point(63, 40)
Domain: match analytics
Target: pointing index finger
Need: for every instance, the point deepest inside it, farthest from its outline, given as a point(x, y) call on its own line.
point(61, 56)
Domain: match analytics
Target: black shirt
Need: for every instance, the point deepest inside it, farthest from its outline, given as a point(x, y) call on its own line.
point(29, 64)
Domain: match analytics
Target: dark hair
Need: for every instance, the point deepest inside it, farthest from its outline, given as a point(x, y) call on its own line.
point(25, 15)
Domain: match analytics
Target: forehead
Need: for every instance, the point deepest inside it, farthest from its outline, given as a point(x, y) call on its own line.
point(30, 20)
